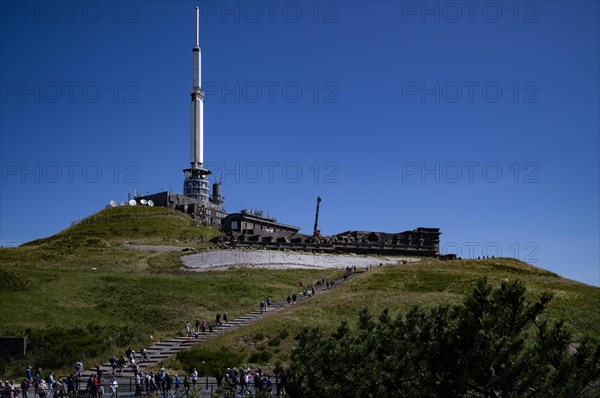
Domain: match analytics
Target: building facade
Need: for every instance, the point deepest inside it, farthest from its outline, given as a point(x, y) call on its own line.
point(248, 225)
point(208, 214)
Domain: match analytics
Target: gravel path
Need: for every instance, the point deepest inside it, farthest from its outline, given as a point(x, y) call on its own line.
point(274, 259)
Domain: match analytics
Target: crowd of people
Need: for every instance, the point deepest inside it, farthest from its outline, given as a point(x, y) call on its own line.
point(246, 381)
point(242, 381)
point(161, 383)
point(43, 386)
point(128, 359)
point(204, 326)
point(95, 386)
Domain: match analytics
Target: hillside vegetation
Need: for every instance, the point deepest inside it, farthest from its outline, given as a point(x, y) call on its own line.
point(399, 288)
point(98, 287)
point(93, 289)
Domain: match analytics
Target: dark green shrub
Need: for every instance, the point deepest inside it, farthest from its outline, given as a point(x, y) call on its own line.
point(260, 357)
point(207, 361)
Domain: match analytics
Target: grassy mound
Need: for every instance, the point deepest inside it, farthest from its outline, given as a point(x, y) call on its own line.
point(138, 223)
point(104, 240)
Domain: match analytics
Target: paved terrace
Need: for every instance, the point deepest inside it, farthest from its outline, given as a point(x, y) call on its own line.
point(218, 260)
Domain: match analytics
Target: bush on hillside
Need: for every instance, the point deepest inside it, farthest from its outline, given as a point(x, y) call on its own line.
point(493, 345)
point(207, 361)
point(57, 348)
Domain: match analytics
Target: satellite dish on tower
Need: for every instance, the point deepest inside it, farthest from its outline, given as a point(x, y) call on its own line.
point(113, 203)
point(132, 202)
point(144, 201)
point(150, 203)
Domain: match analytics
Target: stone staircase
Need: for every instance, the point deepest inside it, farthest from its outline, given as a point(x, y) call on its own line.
point(168, 348)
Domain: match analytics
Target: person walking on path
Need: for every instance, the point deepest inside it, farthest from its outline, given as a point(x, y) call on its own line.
point(194, 378)
point(114, 385)
point(138, 384)
point(25, 387)
point(50, 382)
point(186, 386)
point(177, 385)
point(242, 382)
point(100, 390)
point(78, 369)
point(113, 364)
point(41, 388)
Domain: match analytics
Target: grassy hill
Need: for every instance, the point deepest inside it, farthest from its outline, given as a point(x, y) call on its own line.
point(92, 288)
point(104, 240)
point(97, 288)
point(139, 223)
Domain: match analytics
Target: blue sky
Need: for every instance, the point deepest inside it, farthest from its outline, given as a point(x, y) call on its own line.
point(481, 120)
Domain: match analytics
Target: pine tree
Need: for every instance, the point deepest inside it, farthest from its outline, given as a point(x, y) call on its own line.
point(493, 345)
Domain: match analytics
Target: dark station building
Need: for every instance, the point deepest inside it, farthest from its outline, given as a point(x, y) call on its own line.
point(206, 212)
point(249, 231)
point(252, 225)
point(419, 242)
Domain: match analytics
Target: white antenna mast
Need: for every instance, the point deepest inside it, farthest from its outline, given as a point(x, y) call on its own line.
point(197, 27)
